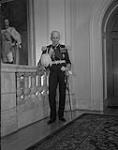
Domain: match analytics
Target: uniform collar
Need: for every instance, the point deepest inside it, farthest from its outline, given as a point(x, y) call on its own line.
point(54, 46)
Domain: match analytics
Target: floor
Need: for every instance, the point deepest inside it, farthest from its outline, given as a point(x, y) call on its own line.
point(30, 135)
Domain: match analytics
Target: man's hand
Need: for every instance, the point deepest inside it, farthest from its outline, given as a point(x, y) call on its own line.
point(67, 69)
point(63, 68)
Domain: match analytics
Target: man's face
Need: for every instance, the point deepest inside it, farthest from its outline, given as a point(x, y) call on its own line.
point(6, 23)
point(55, 37)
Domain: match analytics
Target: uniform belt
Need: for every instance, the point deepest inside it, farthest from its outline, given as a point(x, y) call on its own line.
point(58, 62)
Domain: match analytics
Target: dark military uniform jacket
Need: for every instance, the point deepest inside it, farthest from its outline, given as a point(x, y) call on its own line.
point(58, 53)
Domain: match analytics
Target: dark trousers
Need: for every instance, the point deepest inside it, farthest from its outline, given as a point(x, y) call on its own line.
point(57, 77)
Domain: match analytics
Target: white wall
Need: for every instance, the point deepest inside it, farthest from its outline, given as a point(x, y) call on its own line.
point(87, 38)
point(56, 17)
point(79, 22)
point(80, 48)
point(40, 25)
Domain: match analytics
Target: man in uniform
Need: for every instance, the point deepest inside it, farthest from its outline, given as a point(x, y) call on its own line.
point(60, 65)
point(11, 42)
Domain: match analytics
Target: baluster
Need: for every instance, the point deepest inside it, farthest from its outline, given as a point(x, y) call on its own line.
point(38, 84)
point(42, 80)
point(20, 87)
point(30, 85)
point(45, 81)
point(45, 87)
point(39, 80)
point(48, 84)
point(33, 85)
point(26, 86)
point(29, 82)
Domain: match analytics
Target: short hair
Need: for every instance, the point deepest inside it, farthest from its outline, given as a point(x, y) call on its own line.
point(55, 31)
point(6, 19)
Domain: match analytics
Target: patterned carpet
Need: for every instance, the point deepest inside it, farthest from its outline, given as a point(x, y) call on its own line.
point(88, 132)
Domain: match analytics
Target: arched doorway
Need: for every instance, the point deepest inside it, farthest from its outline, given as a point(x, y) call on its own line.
point(110, 54)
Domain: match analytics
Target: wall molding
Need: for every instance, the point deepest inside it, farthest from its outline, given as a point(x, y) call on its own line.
point(96, 53)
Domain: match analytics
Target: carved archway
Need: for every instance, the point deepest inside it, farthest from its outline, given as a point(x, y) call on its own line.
point(108, 23)
point(96, 55)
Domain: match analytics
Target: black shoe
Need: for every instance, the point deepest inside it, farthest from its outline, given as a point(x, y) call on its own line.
point(62, 119)
point(9, 62)
point(51, 121)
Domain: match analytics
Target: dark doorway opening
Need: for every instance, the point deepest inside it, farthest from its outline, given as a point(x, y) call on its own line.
point(110, 55)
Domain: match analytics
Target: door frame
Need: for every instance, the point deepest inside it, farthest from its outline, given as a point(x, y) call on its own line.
point(107, 16)
point(98, 22)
